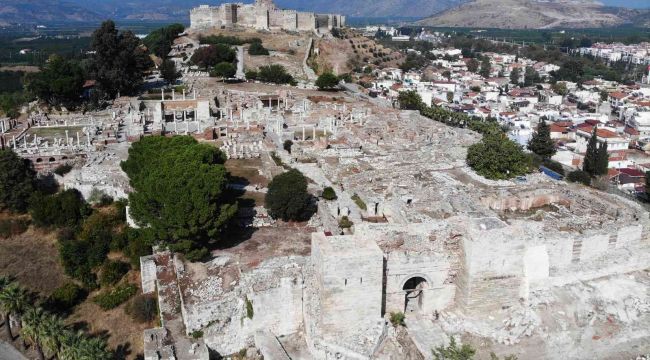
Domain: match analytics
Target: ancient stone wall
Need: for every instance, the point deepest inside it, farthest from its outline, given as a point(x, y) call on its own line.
point(349, 276)
point(433, 267)
point(504, 263)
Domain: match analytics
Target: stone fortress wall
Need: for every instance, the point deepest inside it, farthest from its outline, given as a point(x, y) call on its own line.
point(261, 15)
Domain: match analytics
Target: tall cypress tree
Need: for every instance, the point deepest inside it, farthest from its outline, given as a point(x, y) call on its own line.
point(541, 143)
point(602, 162)
point(589, 165)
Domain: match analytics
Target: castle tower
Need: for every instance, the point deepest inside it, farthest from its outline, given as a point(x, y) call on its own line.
point(265, 3)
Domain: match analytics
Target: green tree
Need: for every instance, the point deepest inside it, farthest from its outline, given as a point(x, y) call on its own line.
point(58, 83)
point(13, 300)
point(590, 162)
point(486, 67)
point(287, 145)
point(17, 181)
point(67, 208)
point(33, 329)
point(531, 77)
point(560, 88)
point(454, 352)
point(327, 81)
point(275, 74)
point(209, 56)
point(541, 143)
point(473, 65)
point(119, 60)
point(515, 74)
point(168, 71)
point(179, 190)
point(288, 199)
point(256, 48)
point(409, 100)
point(497, 157)
point(159, 42)
point(329, 193)
point(602, 160)
point(224, 70)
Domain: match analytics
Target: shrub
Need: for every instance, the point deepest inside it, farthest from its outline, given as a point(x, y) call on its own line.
point(249, 309)
point(345, 223)
point(287, 145)
point(224, 70)
point(357, 200)
point(67, 208)
point(251, 75)
point(63, 169)
point(579, 176)
point(329, 193)
point(197, 334)
point(11, 227)
point(276, 74)
point(497, 158)
point(100, 198)
point(111, 299)
point(112, 272)
point(554, 165)
point(288, 199)
point(256, 48)
point(66, 296)
point(143, 308)
point(397, 318)
point(327, 81)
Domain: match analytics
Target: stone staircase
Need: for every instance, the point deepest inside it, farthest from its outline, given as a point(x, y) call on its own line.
point(426, 334)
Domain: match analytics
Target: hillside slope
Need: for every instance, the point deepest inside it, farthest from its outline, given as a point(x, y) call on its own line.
point(35, 11)
point(521, 14)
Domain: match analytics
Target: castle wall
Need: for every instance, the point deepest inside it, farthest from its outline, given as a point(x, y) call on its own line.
point(262, 15)
point(433, 267)
point(502, 265)
point(306, 21)
point(349, 275)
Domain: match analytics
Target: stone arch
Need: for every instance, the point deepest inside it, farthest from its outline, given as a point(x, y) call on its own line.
point(413, 287)
point(39, 160)
point(52, 159)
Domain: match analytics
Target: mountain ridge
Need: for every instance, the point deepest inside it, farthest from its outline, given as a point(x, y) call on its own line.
point(536, 14)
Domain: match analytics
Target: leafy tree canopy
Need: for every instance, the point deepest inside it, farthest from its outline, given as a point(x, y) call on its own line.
point(497, 157)
point(409, 100)
point(168, 71)
point(58, 83)
point(327, 81)
point(179, 189)
point(276, 74)
point(212, 55)
point(288, 199)
point(159, 41)
point(541, 142)
point(224, 70)
point(17, 181)
point(119, 60)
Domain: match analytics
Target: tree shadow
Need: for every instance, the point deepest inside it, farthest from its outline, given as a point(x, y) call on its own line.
point(122, 351)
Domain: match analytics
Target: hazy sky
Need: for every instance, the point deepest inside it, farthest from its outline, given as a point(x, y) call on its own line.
point(628, 3)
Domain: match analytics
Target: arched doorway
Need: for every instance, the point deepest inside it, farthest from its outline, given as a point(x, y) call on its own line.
point(414, 294)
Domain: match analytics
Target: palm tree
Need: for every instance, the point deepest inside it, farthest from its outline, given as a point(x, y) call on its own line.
point(4, 282)
point(33, 329)
point(52, 330)
point(95, 349)
point(13, 300)
point(71, 345)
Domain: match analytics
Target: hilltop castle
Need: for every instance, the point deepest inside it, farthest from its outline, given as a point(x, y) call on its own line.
point(262, 15)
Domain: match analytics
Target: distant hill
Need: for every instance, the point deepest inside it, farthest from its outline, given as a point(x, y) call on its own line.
point(35, 11)
point(481, 13)
point(537, 14)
